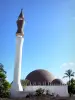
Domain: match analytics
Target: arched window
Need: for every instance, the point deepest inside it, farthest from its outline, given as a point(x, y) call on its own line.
point(44, 83)
point(29, 83)
point(34, 83)
point(39, 83)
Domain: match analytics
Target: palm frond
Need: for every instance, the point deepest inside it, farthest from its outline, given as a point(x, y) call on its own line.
point(69, 73)
point(65, 76)
point(72, 74)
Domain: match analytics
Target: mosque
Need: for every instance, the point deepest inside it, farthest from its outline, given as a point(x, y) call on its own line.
point(37, 78)
point(42, 77)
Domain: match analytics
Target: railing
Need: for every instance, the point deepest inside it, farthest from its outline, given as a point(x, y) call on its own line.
point(44, 84)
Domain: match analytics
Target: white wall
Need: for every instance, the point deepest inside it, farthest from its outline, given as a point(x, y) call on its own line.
point(61, 90)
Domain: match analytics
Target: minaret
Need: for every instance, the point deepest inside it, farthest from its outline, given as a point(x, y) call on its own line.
point(16, 85)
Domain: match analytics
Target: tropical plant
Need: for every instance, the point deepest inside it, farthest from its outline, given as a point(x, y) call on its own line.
point(4, 84)
point(69, 73)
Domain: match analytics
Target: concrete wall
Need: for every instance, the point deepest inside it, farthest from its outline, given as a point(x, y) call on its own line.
point(61, 90)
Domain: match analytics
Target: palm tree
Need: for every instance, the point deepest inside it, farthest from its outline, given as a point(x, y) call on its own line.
point(69, 73)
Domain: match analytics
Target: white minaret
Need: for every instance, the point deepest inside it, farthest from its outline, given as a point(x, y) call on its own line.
point(16, 85)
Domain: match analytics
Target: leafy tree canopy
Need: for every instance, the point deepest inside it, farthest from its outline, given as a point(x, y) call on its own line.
point(4, 84)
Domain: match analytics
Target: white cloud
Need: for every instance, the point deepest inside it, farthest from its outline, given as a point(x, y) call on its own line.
point(69, 65)
point(72, 64)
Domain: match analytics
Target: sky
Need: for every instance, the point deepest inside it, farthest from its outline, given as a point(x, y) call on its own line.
point(49, 36)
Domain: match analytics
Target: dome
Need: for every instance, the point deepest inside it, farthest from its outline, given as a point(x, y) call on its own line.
point(57, 82)
point(40, 77)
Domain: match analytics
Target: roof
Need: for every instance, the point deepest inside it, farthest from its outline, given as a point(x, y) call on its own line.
point(21, 14)
point(57, 81)
point(40, 76)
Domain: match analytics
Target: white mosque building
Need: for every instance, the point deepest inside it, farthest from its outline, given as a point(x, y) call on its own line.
point(38, 78)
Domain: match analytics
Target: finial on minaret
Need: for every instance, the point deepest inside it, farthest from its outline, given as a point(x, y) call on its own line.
point(20, 24)
point(21, 14)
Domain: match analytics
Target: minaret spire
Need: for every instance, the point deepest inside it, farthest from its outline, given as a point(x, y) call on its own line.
point(20, 24)
point(21, 14)
point(16, 85)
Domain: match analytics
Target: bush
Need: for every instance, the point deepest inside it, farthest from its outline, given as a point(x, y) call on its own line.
point(39, 91)
point(71, 90)
point(47, 92)
point(29, 95)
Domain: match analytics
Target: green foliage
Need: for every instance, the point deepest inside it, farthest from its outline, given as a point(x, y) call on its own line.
point(24, 82)
point(2, 69)
point(71, 87)
point(69, 73)
point(71, 83)
point(4, 84)
point(39, 91)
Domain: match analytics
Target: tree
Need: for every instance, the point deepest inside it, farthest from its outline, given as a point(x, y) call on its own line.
point(72, 82)
point(24, 82)
point(4, 84)
point(71, 86)
point(69, 73)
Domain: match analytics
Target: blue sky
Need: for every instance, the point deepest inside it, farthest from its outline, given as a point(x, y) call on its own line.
point(49, 40)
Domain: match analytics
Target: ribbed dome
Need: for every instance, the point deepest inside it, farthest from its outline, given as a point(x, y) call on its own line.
point(57, 82)
point(40, 76)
